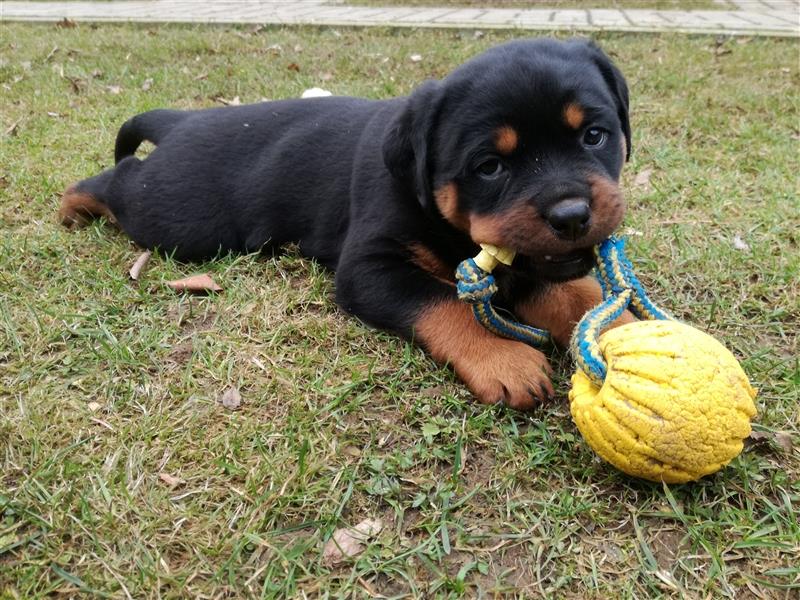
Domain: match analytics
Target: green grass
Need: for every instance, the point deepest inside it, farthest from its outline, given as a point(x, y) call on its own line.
point(106, 383)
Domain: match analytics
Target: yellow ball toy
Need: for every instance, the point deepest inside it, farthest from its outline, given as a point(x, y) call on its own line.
point(656, 398)
point(675, 404)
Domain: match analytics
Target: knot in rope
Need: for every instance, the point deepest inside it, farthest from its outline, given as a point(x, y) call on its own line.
point(474, 285)
point(477, 286)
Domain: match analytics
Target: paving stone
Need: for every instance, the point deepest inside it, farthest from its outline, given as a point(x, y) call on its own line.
point(572, 18)
point(753, 17)
point(608, 18)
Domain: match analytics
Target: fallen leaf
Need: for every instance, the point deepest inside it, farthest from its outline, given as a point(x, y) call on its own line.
point(740, 244)
point(235, 102)
point(94, 406)
point(170, 480)
point(201, 76)
point(195, 283)
point(293, 67)
point(66, 23)
point(231, 399)
point(315, 92)
point(114, 89)
point(630, 231)
point(148, 83)
point(433, 392)
point(782, 439)
point(642, 179)
point(140, 263)
point(349, 542)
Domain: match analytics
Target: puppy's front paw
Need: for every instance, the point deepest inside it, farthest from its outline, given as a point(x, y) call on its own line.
point(494, 368)
point(507, 372)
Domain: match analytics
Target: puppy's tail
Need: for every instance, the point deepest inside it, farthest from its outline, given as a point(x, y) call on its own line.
point(152, 126)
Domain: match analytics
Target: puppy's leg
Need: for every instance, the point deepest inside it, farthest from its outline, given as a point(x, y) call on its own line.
point(561, 305)
point(409, 299)
point(79, 206)
point(94, 197)
point(494, 368)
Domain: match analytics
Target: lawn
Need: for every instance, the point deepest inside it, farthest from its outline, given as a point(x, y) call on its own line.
point(124, 475)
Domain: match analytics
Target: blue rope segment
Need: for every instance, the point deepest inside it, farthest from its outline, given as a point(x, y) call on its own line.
point(621, 290)
point(476, 286)
point(585, 347)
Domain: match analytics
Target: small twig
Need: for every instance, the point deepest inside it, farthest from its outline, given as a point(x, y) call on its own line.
point(52, 52)
point(140, 263)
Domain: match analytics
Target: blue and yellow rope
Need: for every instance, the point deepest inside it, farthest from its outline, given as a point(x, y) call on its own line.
point(477, 286)
point(621, 290)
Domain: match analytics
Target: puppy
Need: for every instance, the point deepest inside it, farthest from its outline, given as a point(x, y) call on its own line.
point(522, 146)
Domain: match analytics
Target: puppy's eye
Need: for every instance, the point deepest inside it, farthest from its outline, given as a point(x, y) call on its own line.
point(490, 169)
point(594, 137)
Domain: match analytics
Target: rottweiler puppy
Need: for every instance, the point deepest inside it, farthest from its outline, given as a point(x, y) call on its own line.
point(521, 146)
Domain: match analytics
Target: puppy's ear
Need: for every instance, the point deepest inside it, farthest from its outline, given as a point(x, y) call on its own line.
point(616, 83)
point(408, 137)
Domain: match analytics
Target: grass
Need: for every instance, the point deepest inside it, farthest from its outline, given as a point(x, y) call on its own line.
point(108, 388)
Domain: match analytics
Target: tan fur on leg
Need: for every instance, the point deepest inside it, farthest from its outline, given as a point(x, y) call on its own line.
point(562, 305)
point(78, 208)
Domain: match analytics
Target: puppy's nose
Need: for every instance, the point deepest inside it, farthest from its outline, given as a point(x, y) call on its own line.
point(569, 218)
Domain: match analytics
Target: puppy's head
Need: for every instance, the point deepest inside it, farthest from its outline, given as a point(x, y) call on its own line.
point(521, 147)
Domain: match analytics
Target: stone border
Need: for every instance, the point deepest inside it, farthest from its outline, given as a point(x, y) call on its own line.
point(753, 21)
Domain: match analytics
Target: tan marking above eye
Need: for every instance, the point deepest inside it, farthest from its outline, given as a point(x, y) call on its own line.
point(506, 140)
point(573, 115)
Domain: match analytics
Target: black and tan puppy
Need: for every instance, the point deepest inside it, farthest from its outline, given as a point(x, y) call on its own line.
point(522, 146)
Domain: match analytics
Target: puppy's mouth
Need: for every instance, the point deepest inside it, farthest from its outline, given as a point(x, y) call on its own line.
point(560, 267)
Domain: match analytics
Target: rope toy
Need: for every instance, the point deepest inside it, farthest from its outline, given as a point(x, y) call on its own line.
point(656, 398)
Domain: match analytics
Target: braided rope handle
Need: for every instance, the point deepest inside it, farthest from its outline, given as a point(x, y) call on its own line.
point(621, 290)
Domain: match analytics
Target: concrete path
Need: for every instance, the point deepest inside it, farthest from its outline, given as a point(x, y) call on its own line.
point(735, 17)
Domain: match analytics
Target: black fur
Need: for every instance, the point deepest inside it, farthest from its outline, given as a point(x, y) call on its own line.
point(353, 182)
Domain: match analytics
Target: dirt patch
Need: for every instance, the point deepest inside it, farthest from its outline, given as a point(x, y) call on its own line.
point(668, 546)
point(180, 354)
point(479, 467)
